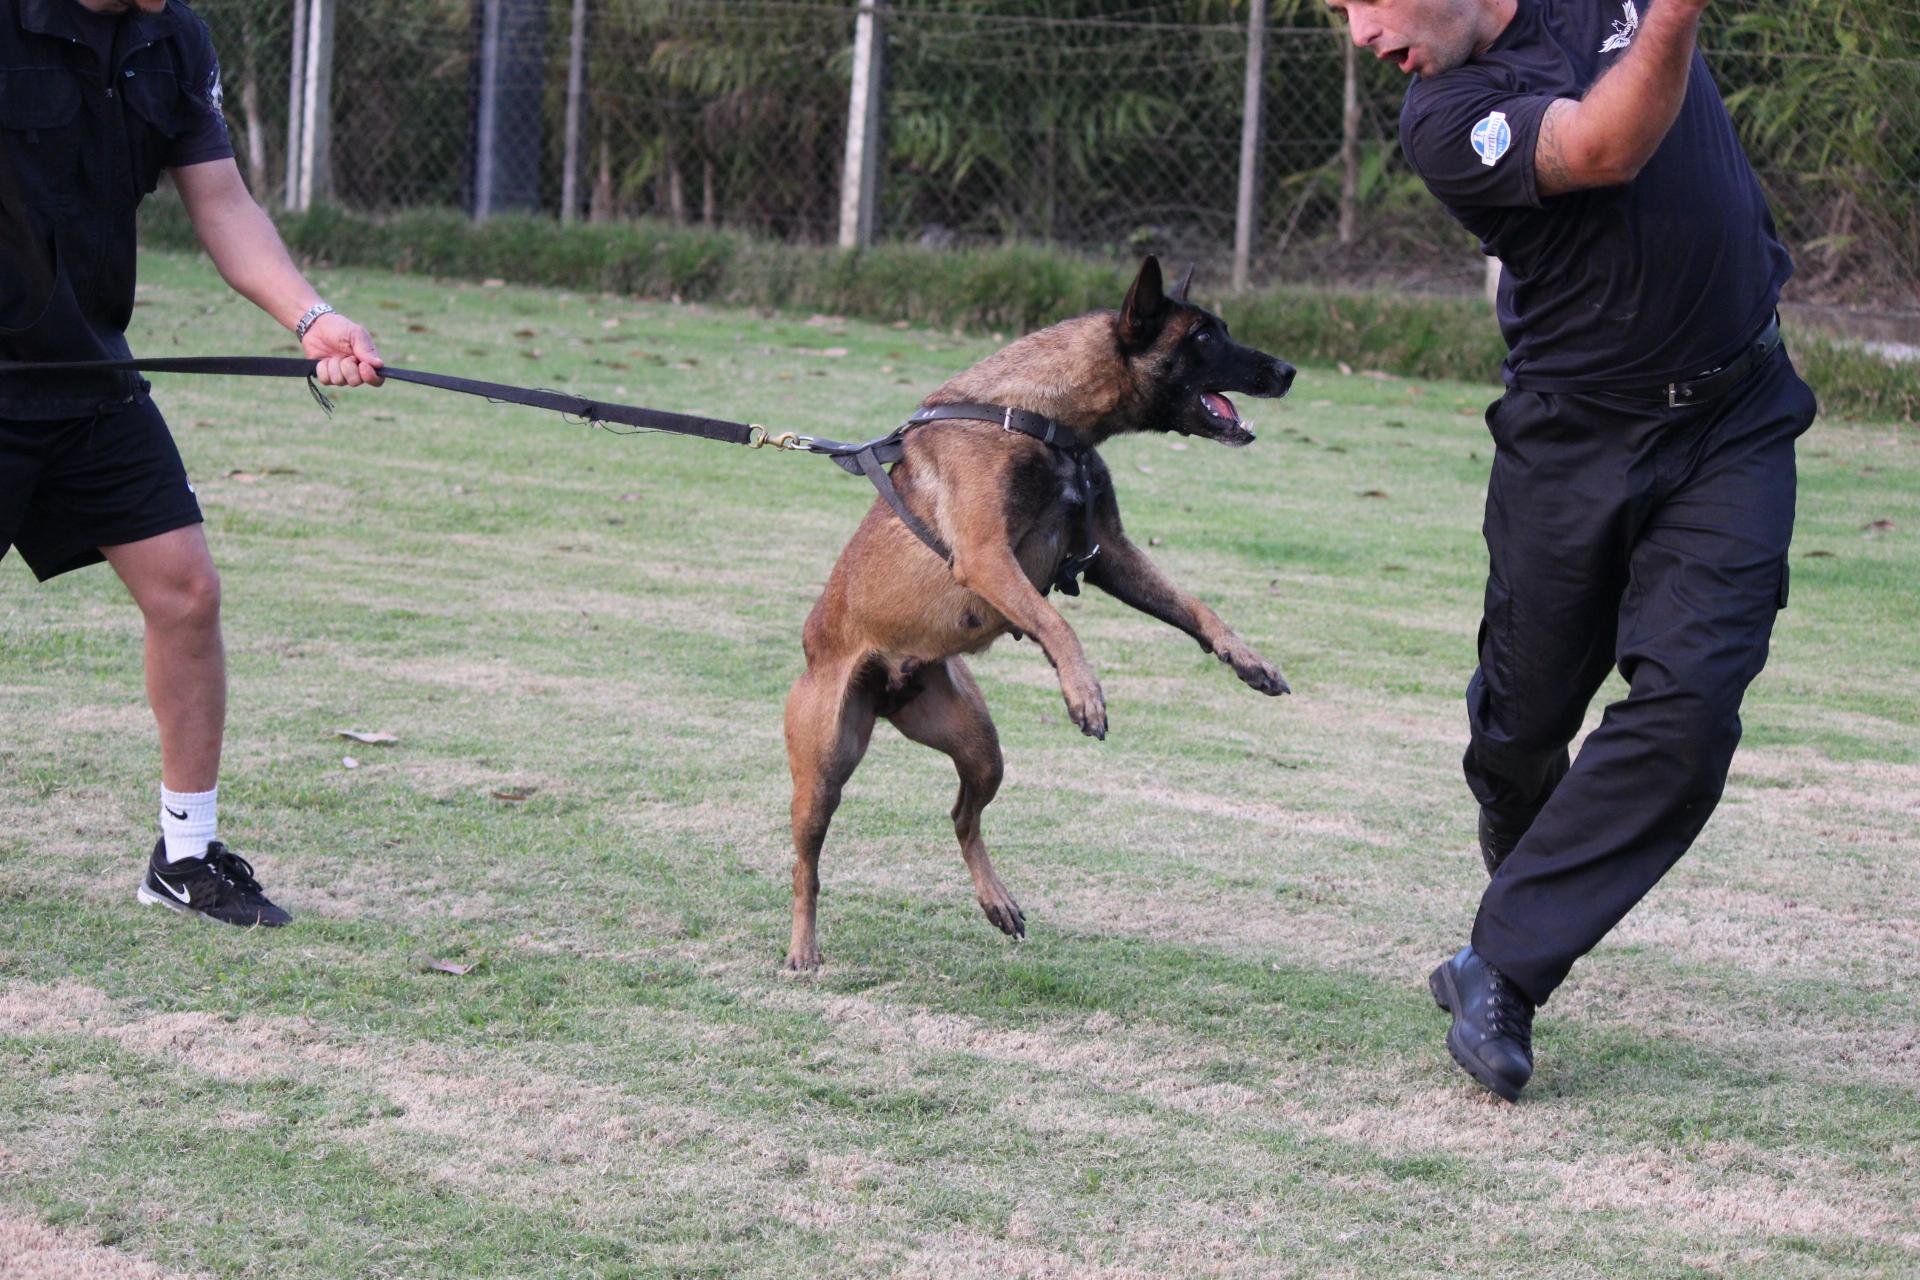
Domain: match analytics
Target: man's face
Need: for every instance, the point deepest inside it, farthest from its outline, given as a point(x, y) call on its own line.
point(122, 6)
point(1427, 36)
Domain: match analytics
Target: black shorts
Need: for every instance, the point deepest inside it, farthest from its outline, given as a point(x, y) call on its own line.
point(69, 488)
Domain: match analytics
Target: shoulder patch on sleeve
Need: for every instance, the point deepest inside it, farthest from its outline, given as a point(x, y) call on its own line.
point(1491, 138)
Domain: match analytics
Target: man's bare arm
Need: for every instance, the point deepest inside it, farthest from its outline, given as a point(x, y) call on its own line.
point(1607, 137)
point(246, 247)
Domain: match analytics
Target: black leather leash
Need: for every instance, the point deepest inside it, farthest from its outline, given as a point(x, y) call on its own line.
point(870, 459)
point(595, 411)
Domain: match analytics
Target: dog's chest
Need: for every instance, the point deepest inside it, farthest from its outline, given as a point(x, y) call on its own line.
point(1051, 497)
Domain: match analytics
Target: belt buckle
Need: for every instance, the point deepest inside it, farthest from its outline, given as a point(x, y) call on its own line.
point(1673, 395)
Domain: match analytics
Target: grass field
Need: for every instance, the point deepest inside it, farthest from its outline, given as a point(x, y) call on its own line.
point(1215, 1056)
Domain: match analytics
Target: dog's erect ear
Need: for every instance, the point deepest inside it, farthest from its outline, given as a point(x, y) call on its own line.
point(1145, 309)
point(1180, 290)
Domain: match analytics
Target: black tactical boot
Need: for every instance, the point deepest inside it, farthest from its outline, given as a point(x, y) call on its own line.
point(1496, 841)
point(1492, 1033)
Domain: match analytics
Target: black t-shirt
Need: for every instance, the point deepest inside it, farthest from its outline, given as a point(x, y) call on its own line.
point(1616, 288)
point(83, 139)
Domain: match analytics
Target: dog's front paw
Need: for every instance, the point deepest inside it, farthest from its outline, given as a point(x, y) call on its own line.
point(1087, 706)
point(802, 960)
point(1006, 916)
point(1255, 670)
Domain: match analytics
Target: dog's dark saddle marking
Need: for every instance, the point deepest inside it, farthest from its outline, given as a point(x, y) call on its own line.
point(873, 459)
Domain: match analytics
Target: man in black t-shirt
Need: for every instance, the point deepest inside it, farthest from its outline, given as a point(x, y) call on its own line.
point(1642, 493)
point(97, 99)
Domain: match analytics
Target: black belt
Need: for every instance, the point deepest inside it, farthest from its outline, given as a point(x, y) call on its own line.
point(1677, 395)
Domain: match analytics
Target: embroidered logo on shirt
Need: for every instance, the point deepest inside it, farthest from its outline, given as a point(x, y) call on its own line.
point(1623, 32)
point(217, 96)
point(1492, 137)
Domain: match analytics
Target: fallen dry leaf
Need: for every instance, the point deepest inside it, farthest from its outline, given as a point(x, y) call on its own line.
point(361, 736)
point(453, 967)
point(1879, 526)
point(514, 795)
point(348, 762)
point(1374, 493)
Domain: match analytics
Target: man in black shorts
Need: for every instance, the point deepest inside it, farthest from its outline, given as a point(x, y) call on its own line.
point(97, 99)
point(1642, 493)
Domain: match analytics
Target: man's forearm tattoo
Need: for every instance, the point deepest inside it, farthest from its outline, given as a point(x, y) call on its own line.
point(1553, 173)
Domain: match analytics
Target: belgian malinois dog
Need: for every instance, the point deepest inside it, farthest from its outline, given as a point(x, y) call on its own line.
point(978, 474)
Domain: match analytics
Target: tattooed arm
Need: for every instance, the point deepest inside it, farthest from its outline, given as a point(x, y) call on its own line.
point(1607, 137)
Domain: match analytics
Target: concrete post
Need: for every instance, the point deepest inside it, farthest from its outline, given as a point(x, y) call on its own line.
point(860, 175)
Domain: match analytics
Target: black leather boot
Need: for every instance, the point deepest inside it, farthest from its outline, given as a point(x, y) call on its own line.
point(1492, 1033)
point(1496, 842)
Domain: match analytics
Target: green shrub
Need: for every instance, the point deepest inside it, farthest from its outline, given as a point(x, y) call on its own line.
point(1008, 288)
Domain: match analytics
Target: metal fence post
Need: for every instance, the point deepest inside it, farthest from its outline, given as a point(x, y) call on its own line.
point(1350, 143)
point(313, 177)
point(296, 91)
point(576, 84)
point(1243, 213)
point(860, 176)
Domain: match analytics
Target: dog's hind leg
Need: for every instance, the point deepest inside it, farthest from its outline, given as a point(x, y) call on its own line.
point(830, 713)
point(948, 714)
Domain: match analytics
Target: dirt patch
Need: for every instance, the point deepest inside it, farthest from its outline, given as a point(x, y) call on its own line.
point(520, 1129)
point(30, 1251)
point(1706, 1195)
point(968, 1255)
point(1109, 1060)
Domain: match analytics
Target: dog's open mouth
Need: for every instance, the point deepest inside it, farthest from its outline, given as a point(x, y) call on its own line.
point(1220, 407)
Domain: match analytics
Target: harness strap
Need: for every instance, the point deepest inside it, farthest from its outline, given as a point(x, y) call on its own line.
point(1055, 435)
point(870, 467)
point(1043, 429)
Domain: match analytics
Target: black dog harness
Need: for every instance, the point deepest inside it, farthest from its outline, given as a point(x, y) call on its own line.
point(874, 457)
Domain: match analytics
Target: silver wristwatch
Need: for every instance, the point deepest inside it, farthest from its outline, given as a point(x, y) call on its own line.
point(314, 312)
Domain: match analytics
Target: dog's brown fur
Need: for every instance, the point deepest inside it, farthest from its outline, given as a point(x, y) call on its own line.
point(887, 635)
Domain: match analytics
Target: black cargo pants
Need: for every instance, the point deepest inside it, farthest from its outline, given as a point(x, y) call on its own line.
point(1629, 534)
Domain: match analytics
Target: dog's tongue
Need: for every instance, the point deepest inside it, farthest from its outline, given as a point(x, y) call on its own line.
point(1219, 406)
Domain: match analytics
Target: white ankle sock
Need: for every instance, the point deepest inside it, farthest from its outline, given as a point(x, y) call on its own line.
point(188, 821)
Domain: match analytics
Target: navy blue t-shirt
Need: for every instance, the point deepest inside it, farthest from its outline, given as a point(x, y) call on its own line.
point(93, 109)
point(1612, 288)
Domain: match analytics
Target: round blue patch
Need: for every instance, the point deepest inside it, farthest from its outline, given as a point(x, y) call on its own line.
point(1492, 137)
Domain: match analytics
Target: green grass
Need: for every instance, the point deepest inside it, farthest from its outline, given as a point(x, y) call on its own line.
point(1214, 1056)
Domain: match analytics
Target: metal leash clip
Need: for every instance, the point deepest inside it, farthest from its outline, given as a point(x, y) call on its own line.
point(759, 437)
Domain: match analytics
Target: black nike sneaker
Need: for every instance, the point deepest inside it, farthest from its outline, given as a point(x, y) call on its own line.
point(219, 886)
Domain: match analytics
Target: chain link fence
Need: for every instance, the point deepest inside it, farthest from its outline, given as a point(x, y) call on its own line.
point(1100, 125)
